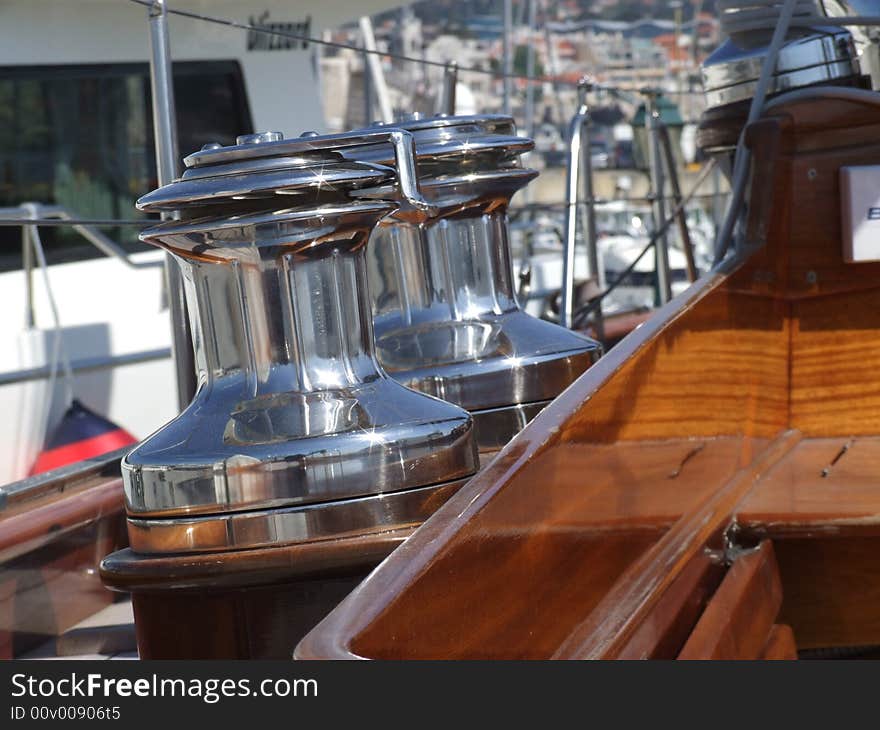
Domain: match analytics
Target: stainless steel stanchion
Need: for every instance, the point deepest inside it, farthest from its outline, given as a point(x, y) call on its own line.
point(579, 158)
point(681, 216)
point(661, 247)
point(167, 156)
point(446, 100)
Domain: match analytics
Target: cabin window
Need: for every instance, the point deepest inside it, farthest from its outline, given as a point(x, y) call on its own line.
point(82, 137)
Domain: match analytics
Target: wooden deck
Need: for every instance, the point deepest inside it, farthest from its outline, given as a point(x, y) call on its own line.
point(710, 489)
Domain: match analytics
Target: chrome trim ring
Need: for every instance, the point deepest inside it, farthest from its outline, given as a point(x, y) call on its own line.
point(495, 427)
point(783, 82)
point(822, 55)
point(309, 523)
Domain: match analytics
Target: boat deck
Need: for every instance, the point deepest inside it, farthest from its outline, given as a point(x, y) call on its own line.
point(832, 484)
point(709, 489)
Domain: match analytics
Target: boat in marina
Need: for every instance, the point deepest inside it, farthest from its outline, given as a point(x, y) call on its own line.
point(87, 307)
point(78, 144)
point(226, 85)
point(623, 233)
point(389, 455)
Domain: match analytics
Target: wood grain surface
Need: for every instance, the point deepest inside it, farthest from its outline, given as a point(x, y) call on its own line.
point(50, 549)
point(761, 380)
point(739, 618)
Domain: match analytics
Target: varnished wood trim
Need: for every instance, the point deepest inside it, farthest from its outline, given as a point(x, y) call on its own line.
point(737, 622)
point(612, 624)
point(41, 524)
point(412, 557)
point(130, 572)
point(665, 630)
point(780, 644)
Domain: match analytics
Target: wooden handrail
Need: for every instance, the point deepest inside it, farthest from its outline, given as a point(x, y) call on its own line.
point(36, 527)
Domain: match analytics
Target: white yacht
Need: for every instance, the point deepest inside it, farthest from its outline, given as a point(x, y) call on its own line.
point(76, 135)
point(624, 233)
point(76, 139)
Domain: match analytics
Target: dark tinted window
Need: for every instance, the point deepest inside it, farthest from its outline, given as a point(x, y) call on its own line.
point(645, 278)
point(82, 137)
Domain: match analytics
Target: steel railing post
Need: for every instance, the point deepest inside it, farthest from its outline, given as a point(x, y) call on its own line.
point(661, 249)
point(672, 171)
point(579, 157)
point(167, 156)
point(446, 100)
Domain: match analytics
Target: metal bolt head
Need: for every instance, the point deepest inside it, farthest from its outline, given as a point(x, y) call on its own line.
point(211, 146)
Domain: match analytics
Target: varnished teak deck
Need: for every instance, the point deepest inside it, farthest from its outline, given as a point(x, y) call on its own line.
point(710, 489)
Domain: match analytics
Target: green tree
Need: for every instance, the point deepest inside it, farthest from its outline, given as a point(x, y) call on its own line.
point(521, 62)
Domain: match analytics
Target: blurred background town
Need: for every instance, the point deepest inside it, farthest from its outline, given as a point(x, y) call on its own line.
point(625, 44)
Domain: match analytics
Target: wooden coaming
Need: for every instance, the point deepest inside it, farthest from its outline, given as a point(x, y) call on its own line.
point(740, 617)
point(777, 359)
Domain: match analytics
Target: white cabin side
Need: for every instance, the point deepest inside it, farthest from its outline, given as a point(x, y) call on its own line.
point(110, 312)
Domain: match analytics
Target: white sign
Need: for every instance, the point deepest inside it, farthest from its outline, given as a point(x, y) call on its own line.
point(860, 210)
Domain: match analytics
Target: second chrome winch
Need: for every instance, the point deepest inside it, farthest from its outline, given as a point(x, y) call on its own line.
point(446, 317)
point(295, 433)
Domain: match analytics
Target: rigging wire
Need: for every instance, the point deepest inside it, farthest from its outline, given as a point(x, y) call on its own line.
point(500, 74)
point(59, 353)
point(785, 11)
point(113, 222)
point(60, 222)
point(147, 223)
point(581, 313)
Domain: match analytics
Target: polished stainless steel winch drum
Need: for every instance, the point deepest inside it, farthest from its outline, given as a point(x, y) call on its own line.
point(811, 55)
point(446, 316)
point(295, 433)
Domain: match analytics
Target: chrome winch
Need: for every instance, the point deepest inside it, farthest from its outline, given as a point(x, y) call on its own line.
point(812, 55)
point(446, 316)
point(295, 433)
